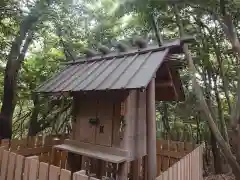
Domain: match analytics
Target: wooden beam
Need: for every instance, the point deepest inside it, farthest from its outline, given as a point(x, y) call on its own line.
point(164, 84)
point(151, 132)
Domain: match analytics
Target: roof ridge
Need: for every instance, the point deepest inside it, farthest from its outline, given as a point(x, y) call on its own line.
point(173, 43)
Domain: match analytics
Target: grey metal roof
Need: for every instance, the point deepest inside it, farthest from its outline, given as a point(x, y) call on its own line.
point(128, 70)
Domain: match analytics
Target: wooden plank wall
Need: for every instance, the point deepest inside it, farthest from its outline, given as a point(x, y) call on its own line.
point(190, 167)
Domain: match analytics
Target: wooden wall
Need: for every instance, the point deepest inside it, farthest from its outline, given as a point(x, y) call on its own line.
point(105, 106)
point(135, 131)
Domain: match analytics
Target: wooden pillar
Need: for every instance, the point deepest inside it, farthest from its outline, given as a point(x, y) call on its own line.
point(122, 172)
point(151, 132)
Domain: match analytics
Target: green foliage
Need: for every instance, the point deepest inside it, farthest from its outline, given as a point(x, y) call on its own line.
point(74, 25)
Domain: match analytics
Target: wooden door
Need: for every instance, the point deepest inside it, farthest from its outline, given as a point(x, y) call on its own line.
point(87, 131)
point(104, 129)
point(117, 136)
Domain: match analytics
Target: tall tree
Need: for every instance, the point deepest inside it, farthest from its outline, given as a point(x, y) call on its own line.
point(15, 59)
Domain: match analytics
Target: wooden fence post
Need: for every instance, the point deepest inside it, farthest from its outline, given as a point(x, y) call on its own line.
point(11, 166)
point(18, 174)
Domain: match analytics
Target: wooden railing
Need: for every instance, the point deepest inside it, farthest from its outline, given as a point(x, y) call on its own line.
point(190, 167)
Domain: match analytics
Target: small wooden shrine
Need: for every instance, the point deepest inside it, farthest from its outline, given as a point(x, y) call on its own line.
point(114, 96)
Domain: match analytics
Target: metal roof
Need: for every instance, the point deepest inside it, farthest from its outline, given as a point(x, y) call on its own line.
point(128, 70)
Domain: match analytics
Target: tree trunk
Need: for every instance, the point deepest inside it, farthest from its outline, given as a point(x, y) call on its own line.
point(219, 59)
point(165, 119)
point(215, 149)
point(198, 129)
point(9, 101)
point(33, 124)
point(199, 94)
point(216, 156)
point(231, 34)
point(15, 58)
point(220, 111)
point(10, 84)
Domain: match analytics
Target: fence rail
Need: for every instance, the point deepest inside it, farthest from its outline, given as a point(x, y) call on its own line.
point(33, 142)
